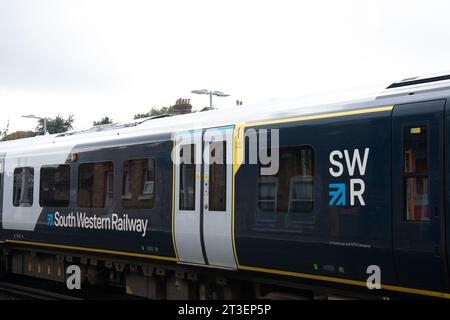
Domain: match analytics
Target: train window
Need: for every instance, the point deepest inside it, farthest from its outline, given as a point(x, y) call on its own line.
point(217, 176)
point(291, 189)
point(187, 177)
point(415, 174)
point(54, 186)
point(23, 187)
point(96, 185)
point(138, 190)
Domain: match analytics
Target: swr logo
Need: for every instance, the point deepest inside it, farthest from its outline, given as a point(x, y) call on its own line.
point(356, 186)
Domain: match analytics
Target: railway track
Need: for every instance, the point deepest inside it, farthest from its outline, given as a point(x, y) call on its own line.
point(14, 291)
point(14, 287)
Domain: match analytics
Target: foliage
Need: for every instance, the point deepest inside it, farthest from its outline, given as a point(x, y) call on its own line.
point(104, 120)
point(18, 135)
point(155, 112)
point(55, 125)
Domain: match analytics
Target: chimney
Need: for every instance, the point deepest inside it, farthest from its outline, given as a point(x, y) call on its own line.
point(182, 106)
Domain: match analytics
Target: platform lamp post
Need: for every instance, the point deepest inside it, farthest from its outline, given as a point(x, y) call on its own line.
point(211, 94)
point(44, 120)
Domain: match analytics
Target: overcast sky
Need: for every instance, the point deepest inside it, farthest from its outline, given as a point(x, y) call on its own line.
point(100, 58)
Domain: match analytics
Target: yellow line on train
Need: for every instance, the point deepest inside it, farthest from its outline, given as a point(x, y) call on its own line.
point(122, 253)
point(322, 116)
point(346, 281)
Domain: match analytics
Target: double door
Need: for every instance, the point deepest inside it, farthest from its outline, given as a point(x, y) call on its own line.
point(203, 197)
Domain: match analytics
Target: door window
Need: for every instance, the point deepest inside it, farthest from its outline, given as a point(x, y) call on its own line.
point(187, 177)
point(415, 174)
point(217, 176)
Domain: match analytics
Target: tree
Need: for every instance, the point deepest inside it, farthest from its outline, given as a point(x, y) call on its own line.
point(18, 135)
point(155, 112)
point(55, 125)
point(104, 120)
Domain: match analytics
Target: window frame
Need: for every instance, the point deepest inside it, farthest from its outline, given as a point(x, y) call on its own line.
point(78, 183)
point(141, 196)
point(211, 179)
point(286, 213)
point(180, 169)
point(14, 188)
point(408, 175)
point(40, 183)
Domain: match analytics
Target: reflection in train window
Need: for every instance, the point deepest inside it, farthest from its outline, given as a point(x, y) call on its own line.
point(138, 190)
point(54, 186)
point(95, 185)
point(267, 197)
point(187, 177)
point(415, 174)
point(23, 187)
point(291, 189)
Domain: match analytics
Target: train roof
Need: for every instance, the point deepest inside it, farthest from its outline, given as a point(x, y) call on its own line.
point(272, 110)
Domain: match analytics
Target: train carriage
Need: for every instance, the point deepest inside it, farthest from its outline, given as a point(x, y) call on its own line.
point(303, 200)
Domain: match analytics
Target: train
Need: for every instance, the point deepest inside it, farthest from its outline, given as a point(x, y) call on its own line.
point(279, 200)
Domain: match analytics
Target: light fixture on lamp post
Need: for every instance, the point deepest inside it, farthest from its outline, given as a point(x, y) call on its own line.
point(211, 93)
point(44, 120)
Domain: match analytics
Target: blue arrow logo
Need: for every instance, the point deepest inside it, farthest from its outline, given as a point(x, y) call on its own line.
point(337, 194)
point(50, 220)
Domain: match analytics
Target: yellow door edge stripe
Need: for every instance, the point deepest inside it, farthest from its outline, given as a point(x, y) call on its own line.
point(122, 253)
point(347, 281)
point(237, 161)
point(238, 143)
point(173, 199)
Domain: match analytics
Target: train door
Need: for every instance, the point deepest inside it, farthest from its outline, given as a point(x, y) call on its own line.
point(187, 208)
point(417, 184)
point(217, 199)
point(203, 197)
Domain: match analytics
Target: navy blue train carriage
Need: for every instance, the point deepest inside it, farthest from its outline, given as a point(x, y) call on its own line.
point(360, 190)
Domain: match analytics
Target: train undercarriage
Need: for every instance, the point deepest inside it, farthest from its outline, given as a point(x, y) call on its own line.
point(160, 280)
